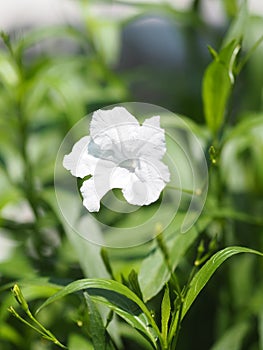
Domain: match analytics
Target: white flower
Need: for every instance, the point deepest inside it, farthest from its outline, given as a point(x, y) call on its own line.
point(120, 153)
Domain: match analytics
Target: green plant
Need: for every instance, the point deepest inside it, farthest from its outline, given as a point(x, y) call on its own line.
point(151, 287)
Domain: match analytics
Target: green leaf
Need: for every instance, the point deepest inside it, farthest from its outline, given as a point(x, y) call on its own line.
point(232, 338)
point(33, 288)
point(248, 123)
point(205, 273)
point(96, 327)
point(133, 337)
point(10, 334)
point(238, 26)
point(260, 329)
point(217, 83)
point(213, 52)
point(151, 279)
point(38, 288)
point(227, 57)
point(165, 312)
point(230, 213)
point(134, 284)
point(8, 71)
point(216, 91)
point(87, 252)
point(106, 260)
point(242, 152)
point(104, 34)
point(77, 342)
point(249, 53)
point(231, 7)
point(117, 297)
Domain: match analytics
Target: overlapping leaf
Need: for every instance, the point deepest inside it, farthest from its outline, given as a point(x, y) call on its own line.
point(119, 298)
point(205, 273)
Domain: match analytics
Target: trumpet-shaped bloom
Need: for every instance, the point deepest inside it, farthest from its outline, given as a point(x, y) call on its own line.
point(120, 153)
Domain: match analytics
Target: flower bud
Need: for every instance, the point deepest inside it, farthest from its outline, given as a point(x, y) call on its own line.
point(213, 155)
point(20, 298)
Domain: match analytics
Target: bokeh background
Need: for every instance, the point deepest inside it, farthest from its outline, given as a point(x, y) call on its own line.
point(68, 58)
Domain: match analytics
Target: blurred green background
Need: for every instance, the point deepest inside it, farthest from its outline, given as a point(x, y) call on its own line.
point(64, 59)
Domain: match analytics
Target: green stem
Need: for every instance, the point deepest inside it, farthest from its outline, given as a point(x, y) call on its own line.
point(196, 192)
point(44, 332)
point(47, 333)
point(226, 213)
point(176, 325)
point(175, 282)
point(14, 313)
point(177, 330)
point(248, 55)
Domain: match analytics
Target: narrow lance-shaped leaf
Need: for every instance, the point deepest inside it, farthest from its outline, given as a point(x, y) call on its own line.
point(217, 83)
point(96, 327)
point(134, 284)
point(105, 258)
point(165, 313)
point(120, 299)
point(205, 273)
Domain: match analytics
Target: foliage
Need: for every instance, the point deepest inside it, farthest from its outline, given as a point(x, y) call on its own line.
point(86, 294)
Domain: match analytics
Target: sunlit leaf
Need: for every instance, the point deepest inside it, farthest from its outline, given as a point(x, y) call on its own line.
point(119, 298)
point(206, 272)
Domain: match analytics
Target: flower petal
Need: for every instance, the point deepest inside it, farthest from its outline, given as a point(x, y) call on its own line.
point(112, 127)
point(119, 153)
point(152, 168)
point(106, 177)
point(139, 192)
point(95, 188)
point(153, 121)
point(106, 119)
point(119, 177)
point(146, 183)
point(79, 161)
point(91, 199)
point(153, 138)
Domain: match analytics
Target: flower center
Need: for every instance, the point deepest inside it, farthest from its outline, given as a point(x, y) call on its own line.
point(130, 164)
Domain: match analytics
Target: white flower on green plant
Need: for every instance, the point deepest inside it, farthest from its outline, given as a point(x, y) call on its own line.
point(120, 153)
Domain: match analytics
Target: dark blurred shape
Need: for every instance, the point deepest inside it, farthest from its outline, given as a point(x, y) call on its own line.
point(164, 62)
